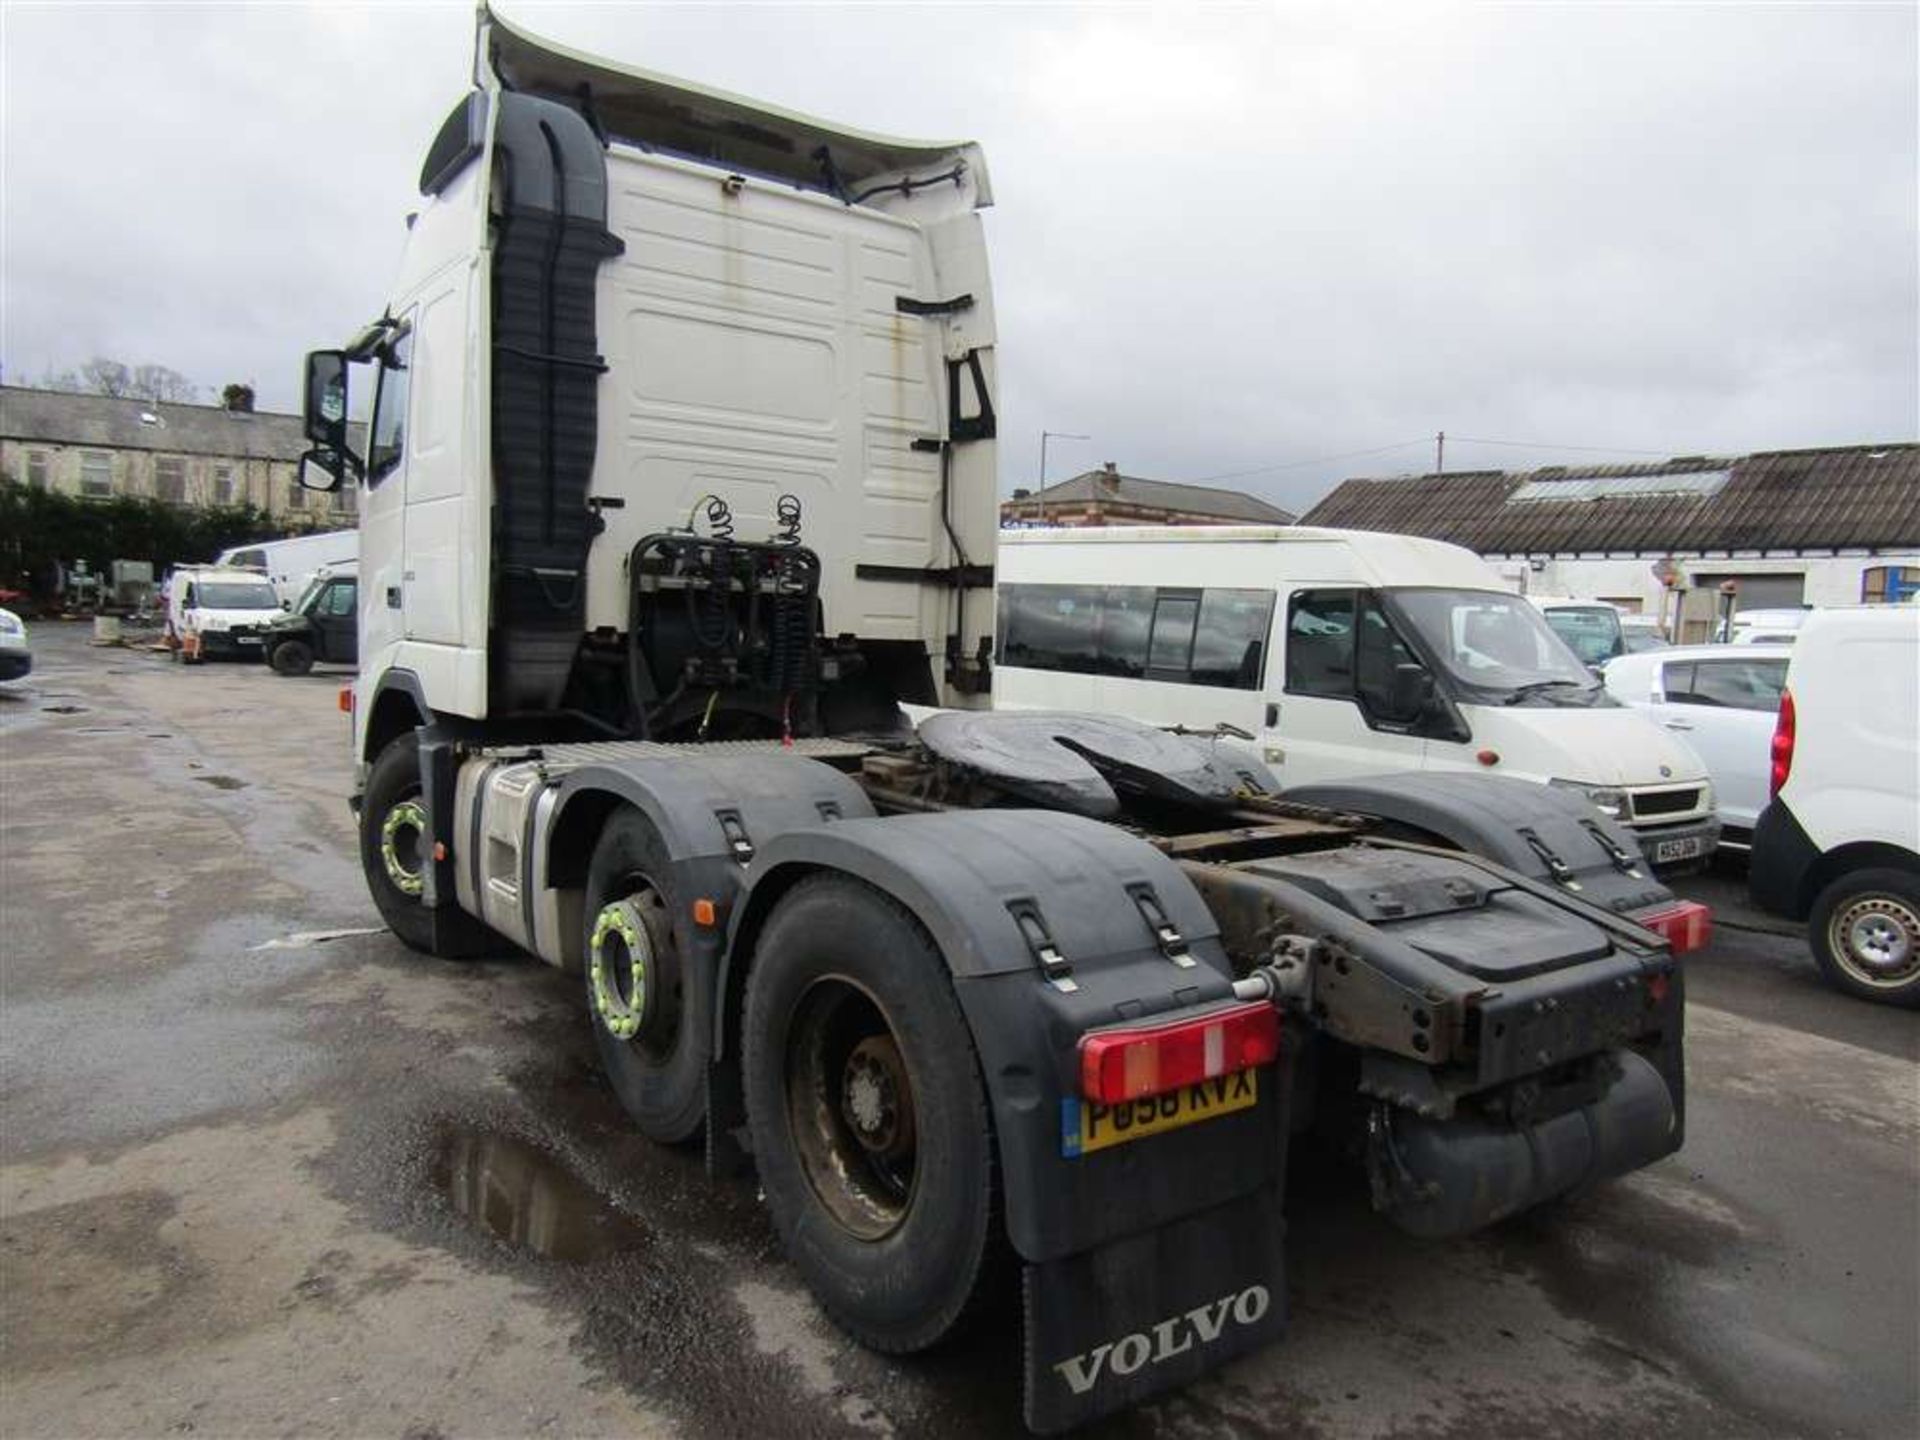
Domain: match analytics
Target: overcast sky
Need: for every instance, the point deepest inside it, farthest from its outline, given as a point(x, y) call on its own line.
point(1223, 239)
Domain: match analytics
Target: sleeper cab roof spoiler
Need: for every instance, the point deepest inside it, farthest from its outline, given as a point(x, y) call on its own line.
point(657, 112)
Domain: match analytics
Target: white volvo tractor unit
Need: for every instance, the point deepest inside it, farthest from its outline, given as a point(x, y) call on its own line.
point(679, 481)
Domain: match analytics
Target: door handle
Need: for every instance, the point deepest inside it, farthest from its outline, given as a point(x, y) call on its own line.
point(1676, 724)
point(393, 597)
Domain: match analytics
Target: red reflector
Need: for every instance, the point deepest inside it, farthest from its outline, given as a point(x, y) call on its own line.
point(346, 699)
point(1487, 757)
point(1782, 745)
point(1125, 1064)
point(1686, 925)
point(1657, 989)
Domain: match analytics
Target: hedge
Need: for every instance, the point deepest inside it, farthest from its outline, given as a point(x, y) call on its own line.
point(44, 531)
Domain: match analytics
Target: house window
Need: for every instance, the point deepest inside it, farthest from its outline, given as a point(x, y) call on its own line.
point(296, 495)
point(37, 469)
point(96, 474)
point(170, 479)
point(223, 485)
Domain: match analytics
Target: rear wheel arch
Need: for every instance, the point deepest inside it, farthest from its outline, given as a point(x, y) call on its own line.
point(1845, 859)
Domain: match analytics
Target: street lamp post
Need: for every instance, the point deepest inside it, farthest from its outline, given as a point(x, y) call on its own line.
point(1040, 494)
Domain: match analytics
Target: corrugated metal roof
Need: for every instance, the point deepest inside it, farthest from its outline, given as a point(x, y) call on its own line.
point(105, 423)
point(1105, 486)
point(1864, 496)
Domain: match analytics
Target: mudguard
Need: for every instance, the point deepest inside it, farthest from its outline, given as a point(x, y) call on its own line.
point(1052, 924)
point(1543, 833)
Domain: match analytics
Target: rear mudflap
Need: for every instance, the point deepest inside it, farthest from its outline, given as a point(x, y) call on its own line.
point(1107, 1328)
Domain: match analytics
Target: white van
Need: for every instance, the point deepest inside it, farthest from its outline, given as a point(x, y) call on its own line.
point(291, 564)
point(1839, 844)
point(1342, 653)
point(214, 612)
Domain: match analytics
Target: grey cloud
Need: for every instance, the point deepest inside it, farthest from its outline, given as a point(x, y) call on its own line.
point(1223, 238)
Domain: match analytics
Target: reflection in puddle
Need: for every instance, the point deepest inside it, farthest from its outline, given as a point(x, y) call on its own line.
point(528, 1198)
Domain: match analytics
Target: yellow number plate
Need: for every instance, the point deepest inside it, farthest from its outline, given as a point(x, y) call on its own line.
point(1085, 1126)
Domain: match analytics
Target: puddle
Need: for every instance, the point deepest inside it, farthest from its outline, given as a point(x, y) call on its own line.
point(222, 782)
point(65, 709)
point(302, 939)
point(528, 1198)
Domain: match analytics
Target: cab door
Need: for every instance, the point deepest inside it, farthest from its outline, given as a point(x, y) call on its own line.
point(333, 618)
point(1329, 699)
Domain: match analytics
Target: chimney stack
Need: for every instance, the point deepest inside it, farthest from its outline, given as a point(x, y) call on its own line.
point(1110, 477)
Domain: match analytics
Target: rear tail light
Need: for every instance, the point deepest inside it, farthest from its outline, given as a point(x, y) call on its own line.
point(346, 700)
point(1782, 744)
point(1686, 925)
point(1127, 1063)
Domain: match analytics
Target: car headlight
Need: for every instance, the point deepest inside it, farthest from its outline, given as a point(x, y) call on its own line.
point(213, 623)
point(1610, 800)
point(10, 624)
point(1706, 795)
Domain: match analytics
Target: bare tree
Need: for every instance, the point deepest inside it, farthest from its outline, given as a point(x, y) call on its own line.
point(162, 382)
point(102, 376)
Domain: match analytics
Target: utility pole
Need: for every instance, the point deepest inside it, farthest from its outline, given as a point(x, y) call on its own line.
point(1040, 492)
point(1440, 453)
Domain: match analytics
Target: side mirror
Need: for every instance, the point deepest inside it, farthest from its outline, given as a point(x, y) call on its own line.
point(327, 400)
point(322, 470)
point(1412, 692)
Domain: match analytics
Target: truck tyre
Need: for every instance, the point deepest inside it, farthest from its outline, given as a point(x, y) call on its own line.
point(870, 1124)
point(637, 998)
point(291, 657)
point(393, 856)
point(1865, 932)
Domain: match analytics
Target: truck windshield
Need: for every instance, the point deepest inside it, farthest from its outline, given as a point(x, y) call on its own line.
point(236, 595)
point(1495, 648)
point(1591, 631)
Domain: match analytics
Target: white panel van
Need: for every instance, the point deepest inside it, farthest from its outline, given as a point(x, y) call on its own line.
point(1339, 653)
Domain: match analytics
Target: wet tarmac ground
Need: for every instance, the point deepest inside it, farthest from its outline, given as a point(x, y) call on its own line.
point(265, 1172)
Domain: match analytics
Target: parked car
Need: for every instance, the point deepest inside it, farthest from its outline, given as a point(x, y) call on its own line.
point(1839, 844)
point(1722, 702)
point(1767, 627)
point(16, 655)
point(1340, 653)
point(323, 625)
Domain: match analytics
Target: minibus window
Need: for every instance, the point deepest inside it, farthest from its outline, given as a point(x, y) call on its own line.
point(1172, 645)
point(1229, 644)
point(1126, 617)
point(1320, 643)
point(1051, 627)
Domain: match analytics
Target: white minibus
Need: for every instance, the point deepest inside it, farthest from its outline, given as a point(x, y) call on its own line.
point(1342, 653)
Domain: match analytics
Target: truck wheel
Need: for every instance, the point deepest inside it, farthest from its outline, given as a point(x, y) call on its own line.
point(291, 657)
point(636, 983)
point(393, 856)
point(870, 1125)
point(1865, 933)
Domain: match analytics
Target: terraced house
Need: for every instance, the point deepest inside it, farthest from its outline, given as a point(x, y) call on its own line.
point(102, 446)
